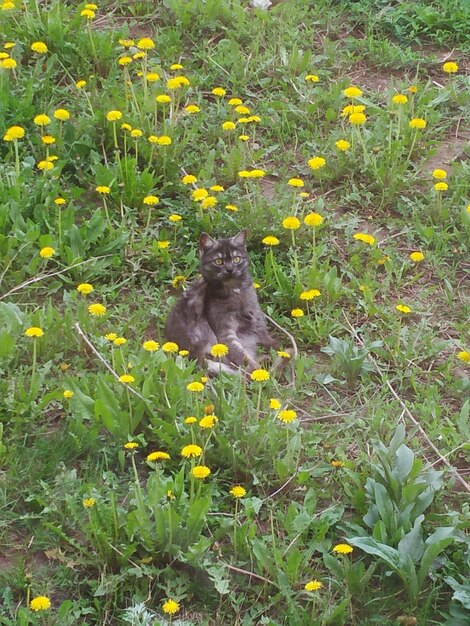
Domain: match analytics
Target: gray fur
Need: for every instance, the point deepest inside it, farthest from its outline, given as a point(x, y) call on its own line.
point(221, 307)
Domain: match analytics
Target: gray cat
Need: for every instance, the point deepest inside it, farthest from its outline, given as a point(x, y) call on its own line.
point(221, 307)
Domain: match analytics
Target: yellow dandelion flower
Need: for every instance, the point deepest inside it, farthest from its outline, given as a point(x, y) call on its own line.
point(313, 219)
point(400, 98)
point(39, 47)
point(164, 140)
point(441, 186)
point(237, 491)
point(450, 67)
point(343, 145)
point(417, 257)
point(274, 404)
point(152, 77)
point(176, 66)
point(417, 122)
point(190, 420)
point(103, 189)
point(200, 471)
point(287, 416)
point(195, 386)
point(192, 108)
point(352, 92)
point(85, 288)
point(40, 603)
point(219, 350)
point(403, 308)
point(120, 341)
point(312, 78)
point(163, 98)
point(352, 108)
point(151, 200)
point(110, 336)
point(146, 44)
point(48, 140)
point(68, 394)
point(357, 119)
point(229, 126)
point(219, 91)
point(189, 179)
point(259, 375)
point(88, 13)
point(234, 102)
point(297, 313)
point(232, 207)
point(47, 252)
point(365, 238)
point(131, 445)
point(291, 223)
point(34, 331)
point(313, 585)
point(170, 606)
point(150, 346)
point(296, 182)
point(113, 116)
point(125, 60)
point(88, 503)
point(310, 294)
point(80, 84)
point(45, 165)
point(244, 137)
point(439, 174)
point(42, 119)
point(208, 421)
point(337, 464)
point(170, 347)
point(242, 109)
point(209, 202)
point(191, 450)
point(97, 309)
point(126, 378)
point(62, 115)
point(464, 356)
point(9, 64)
point(158, 456)
point(14, 133)
point(178, 281)
point(199, 194)
point(174, 217)
point(316, 163)
point(342, 548)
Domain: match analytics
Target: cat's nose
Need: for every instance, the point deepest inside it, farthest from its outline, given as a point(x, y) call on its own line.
point(229, 270)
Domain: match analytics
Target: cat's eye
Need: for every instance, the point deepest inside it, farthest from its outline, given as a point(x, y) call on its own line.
point(218, 261)
point(236, 259)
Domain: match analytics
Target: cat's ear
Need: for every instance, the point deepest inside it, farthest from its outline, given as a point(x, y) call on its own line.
point(206, 242)
point(240, 238)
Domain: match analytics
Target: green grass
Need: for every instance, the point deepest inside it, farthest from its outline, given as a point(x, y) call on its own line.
point(152, 531)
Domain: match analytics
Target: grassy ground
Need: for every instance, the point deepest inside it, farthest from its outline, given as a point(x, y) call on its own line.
point(363, 441)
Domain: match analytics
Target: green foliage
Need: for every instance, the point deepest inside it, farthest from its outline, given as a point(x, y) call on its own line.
point(94, 525)
point(348, 360)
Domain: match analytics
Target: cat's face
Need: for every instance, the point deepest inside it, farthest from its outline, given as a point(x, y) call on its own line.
point(224, 260)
